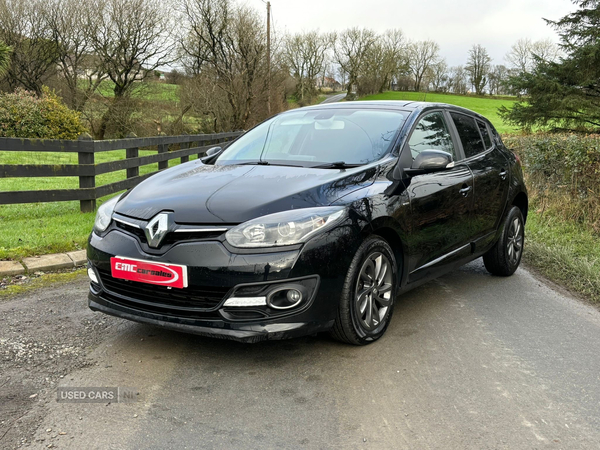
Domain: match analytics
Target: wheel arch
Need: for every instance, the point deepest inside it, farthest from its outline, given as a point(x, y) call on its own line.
point(522, 202)
point(387, 231)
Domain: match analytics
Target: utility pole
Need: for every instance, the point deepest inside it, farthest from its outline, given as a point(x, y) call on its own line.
point(269, 58)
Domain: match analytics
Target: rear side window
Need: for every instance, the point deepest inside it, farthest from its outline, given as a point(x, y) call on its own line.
point(496, 137)
point(469, 134)
point(484, 133)
point(431, 133)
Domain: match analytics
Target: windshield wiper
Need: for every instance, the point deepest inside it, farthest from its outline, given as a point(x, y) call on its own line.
point(267, 163)
point(336, 165)
point(254, 163)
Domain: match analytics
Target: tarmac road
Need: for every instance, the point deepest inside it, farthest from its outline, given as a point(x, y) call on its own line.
point(334, 98)
point(470, 361)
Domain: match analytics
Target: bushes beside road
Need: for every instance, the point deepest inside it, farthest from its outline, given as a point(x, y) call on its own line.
point(563, 171)
point(563, 232)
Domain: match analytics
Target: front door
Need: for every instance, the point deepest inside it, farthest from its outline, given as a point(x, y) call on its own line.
point(440, 202)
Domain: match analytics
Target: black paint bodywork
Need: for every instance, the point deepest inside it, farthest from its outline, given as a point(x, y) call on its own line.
point(434, 222)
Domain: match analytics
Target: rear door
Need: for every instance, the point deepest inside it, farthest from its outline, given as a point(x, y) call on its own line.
point(490, 176)
point(440, 202)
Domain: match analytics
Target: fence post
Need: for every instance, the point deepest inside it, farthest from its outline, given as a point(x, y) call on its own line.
point(163, 148)
point(132, 152)
point(183, 145)
point(87, 181)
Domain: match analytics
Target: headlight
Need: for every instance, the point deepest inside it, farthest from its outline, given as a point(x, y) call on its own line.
point(104, 214)
point(284, 228)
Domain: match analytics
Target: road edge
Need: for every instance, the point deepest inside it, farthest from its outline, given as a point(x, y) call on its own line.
point(43, 263)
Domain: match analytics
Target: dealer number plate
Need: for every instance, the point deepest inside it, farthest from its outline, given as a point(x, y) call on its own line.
point(162, 274)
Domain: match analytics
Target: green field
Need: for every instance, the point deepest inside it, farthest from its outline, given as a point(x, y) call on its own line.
point(152, 91)
point(41, 228)
point(486, 106)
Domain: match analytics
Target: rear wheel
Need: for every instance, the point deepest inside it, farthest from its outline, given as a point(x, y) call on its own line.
point(505, 256)
point(367, 299)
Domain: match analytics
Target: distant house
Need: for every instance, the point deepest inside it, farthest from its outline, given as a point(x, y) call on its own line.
point(328, 82)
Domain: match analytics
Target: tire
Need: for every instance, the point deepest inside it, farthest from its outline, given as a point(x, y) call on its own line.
point(363, 320)
point(505, 256)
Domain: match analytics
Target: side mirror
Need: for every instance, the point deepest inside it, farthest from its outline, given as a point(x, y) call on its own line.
point(213, 151)
point(211, 155)
point(430, 161)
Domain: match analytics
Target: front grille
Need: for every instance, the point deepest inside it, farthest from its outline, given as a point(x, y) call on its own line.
point(160, 298)
point(171, 238)
point(138, 232)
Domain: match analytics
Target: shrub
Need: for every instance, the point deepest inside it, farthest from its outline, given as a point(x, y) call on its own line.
point(23, 114)
point(563, 173)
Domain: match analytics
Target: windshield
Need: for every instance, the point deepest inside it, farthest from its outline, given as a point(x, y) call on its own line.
point(317, 137)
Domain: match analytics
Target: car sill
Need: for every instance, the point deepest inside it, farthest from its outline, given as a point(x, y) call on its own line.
point(441, 258)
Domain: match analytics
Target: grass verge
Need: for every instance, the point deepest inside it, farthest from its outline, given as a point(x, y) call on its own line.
point(564, 252)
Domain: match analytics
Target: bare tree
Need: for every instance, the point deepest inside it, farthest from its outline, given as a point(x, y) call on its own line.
point(496, 78)
point(525, 53)
point(478, 67)
point(439, 76)
point(225, 44)
point(421, 56)
point(23, 27)
point(383, 60)
point(306, 55)
point(458, 80)
point(343, 77)
point(545, 50)
point(519, 56)
point(131, 38)
point(350, 50)
point(69, 23)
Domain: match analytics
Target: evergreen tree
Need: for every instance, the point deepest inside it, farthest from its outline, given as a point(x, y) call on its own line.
point(5, 52)
point(563, 94)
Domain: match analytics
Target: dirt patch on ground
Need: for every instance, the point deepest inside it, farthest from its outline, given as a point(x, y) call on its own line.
point(44, 336)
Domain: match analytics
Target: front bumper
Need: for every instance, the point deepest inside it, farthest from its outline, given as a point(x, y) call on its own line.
point(215, 270)
point(241, 332)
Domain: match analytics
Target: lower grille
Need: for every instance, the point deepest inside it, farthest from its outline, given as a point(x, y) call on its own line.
point(160, 298)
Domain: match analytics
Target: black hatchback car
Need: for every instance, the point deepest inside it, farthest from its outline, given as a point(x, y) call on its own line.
point(314, 220)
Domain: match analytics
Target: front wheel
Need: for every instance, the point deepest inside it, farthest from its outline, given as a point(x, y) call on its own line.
point(505, 256)
point(367, 299)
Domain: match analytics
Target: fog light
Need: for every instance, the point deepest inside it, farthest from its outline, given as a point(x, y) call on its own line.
point(93, 275)
point(294, 295)
point(284, 298)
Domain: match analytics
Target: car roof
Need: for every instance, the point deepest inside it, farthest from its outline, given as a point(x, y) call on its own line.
point(401, 105)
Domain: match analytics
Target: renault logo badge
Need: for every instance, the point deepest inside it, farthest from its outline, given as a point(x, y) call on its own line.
point(156, 229)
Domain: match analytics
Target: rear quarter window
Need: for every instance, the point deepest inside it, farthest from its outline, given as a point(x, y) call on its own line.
point(484, 133)
point(468, 133)
point(496, 137)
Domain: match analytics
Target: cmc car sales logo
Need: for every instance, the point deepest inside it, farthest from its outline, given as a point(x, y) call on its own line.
point(163, 274)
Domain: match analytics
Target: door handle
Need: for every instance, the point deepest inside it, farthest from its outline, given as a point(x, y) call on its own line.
point(465, 191)
point(503, 174)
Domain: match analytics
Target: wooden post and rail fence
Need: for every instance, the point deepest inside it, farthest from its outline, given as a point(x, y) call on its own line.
point(87, 169)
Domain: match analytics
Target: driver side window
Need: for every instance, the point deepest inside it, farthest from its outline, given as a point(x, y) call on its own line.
point(431, 133)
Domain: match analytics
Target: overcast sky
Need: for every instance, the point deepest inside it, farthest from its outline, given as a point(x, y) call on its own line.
point(454, 24)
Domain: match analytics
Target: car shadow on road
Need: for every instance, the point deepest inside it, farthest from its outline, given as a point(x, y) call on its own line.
point(412, 309)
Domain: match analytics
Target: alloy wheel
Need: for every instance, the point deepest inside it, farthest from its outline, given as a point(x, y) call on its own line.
point(514, 242)
point(374, 289)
